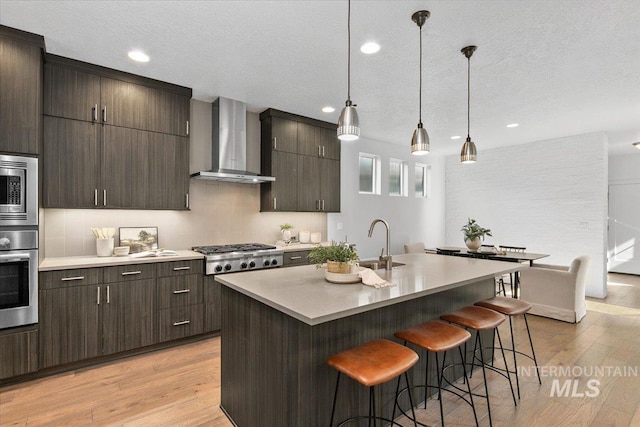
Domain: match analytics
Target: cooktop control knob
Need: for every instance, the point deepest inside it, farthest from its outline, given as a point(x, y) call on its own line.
point(252, 264)
point(274, 262)
point(266, 263)
point(227, 267)
point(218, 268)
point(243, 265)
point(5, 243)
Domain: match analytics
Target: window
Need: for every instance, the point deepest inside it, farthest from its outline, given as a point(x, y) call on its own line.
point(423, 180)
point(369, 174)
point(397, 178)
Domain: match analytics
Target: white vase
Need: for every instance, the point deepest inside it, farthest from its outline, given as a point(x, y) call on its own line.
point(474, 244)
point(286, 236)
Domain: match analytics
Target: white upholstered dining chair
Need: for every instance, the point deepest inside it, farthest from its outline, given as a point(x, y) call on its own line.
point(555, 291)
point(414, 247)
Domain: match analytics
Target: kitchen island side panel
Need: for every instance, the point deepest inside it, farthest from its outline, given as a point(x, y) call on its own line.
point(274, 370)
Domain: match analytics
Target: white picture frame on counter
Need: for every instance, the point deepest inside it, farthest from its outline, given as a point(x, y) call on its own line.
point(139, 239)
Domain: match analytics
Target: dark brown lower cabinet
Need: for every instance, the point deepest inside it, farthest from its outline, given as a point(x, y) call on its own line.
point(180, 322)
point(212, 305)
point(69, 325)
point(128, 315)
point(18, 351)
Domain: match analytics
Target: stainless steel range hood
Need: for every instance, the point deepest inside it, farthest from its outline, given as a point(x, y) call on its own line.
point(229, 145)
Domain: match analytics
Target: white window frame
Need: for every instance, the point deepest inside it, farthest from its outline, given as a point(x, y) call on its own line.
point(426, 180)
point(375, 175)
point(403, 177)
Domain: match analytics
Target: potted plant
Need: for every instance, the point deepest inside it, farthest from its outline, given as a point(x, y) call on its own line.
point(474, 234)
point(337, 256)
point(286, 233)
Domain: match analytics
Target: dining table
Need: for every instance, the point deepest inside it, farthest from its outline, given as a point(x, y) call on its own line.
point(509, 256)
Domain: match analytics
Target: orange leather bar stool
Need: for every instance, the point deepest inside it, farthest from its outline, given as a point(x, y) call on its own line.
point(437, 337)
point(513, 307)
point(371, 364)
point(482, 319)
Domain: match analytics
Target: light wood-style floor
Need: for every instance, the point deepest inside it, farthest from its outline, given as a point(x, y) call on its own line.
point(181, 386)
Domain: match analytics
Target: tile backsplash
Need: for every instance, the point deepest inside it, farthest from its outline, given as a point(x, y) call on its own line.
point(221, 213)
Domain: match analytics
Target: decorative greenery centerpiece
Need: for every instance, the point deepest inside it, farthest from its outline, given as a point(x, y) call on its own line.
point(286, 233)
point(474, 234)
point(338, 256)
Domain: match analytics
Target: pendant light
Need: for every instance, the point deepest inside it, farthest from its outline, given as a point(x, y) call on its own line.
point(468, 153)
point(420, 138)
point(348, 124)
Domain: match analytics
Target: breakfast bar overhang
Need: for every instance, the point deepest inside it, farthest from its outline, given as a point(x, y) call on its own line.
point(280, 326)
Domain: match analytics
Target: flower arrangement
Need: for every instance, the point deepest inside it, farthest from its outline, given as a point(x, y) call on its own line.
point(472, 230)
point(341, 253)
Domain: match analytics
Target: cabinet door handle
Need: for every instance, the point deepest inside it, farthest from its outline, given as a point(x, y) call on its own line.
point(181, 268)
point(129, 273)
point(95, 197)
point(94, 113)
point(108, 299)
point(187, 127)
point(182, 291)
point(104, 197)
point(98, 297)
point(322, 205)
point(319, 152)
point(323, 151)
point(275, 142)
point(295, 257)
point(275, 206)
point(187, 200)
point(104, 114)
point(184, 322)
point(66, 279)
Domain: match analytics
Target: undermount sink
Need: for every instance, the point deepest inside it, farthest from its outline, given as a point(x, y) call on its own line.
point(377, 264)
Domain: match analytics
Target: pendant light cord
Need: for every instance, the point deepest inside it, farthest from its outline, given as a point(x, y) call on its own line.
point(420, 108)
point(468, 95)
point(349, 52)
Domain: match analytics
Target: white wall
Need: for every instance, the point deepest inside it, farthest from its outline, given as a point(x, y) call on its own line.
point(220, 213)
point(410, 218)
point(550, 196)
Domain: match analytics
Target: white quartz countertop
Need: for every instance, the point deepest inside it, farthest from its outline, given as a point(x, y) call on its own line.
point(303, 293)
point(300, 246)
point(66, 263)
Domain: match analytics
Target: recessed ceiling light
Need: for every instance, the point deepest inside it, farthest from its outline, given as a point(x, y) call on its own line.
point(637, 145)
point(513, 125)
point(328, 109)
point(456, 137)
point(369, 48)
point(138, 55)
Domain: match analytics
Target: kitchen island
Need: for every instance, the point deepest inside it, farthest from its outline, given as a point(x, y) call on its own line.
point(280, 326)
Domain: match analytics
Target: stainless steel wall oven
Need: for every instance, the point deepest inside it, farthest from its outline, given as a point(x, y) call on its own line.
point(18, 278)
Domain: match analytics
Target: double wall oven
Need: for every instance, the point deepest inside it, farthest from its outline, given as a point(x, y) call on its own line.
point(18, 241)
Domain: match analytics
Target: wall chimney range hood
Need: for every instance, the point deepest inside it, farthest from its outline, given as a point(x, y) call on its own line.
point(229, 145)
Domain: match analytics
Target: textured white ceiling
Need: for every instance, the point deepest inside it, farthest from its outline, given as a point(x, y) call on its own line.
point(556, 67)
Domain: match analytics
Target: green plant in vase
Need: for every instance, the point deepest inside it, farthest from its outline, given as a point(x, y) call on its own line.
point(474, 234)
point(337, 256)
point(285, 229)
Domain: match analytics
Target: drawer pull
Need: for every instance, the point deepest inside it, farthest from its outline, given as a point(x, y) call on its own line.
point(184, 322)
point(66, 279)
point(129, 273)
point(295, 257)
point(182, 291)
point(181, 268)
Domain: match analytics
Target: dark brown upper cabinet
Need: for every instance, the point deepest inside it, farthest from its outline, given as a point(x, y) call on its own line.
point(306, 168)
point(21, 91)
point(113, 140)
point(80, 91)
